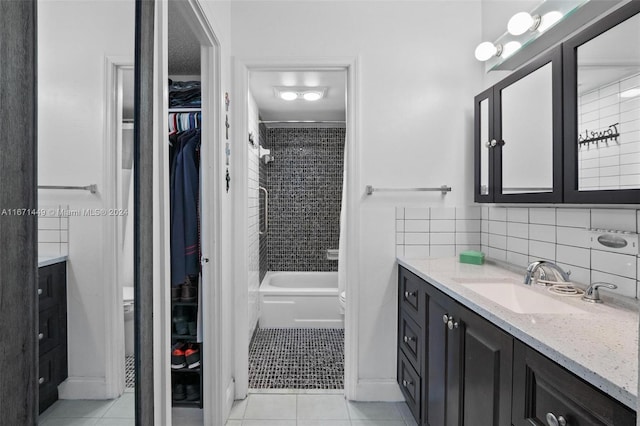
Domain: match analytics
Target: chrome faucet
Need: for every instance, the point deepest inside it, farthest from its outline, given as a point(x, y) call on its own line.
point(592, 294)
point(542, 264)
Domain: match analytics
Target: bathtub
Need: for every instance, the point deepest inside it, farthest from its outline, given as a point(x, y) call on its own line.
point(300, 300)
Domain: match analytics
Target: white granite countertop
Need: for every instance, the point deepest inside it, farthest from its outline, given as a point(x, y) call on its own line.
point(50, 260)
point(600, 346)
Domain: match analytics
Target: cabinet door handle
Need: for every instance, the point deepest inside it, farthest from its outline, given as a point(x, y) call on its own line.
point(406, 383)
point(40, 336)
point(452, 324)
point(552, 420)
point(445, 318)
point(41, 380)
point(40, 291)
point(408, 294)
point(408, 339)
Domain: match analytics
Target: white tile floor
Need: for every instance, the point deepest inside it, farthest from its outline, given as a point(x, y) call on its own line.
point(316, 410)
point(114, 412)
point(256, 410)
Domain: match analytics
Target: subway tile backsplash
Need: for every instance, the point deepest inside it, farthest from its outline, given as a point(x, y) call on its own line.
point(520, 235)
point(561, 235)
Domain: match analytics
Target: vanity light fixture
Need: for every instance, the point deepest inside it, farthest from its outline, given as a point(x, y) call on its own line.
point(510, 48)
point(631, 93)
point(522, 22)
point(487, 50)
point(549, 19)
point(300, 93)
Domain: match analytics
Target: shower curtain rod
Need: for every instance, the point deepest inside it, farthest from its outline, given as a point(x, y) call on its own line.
point(302, 121)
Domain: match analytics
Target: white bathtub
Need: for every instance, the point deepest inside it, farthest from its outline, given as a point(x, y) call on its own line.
point(300, 300)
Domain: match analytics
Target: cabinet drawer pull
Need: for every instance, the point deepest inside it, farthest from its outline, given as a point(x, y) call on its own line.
point(408, 294)
point(40, 336)
point(446, 318)
point(41, 380)
point(408, 339)
point(552, 420)
point(451, 324)
point(406, 383)
point(40, 292)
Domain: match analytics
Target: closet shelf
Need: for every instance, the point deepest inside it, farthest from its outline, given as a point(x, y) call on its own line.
point(185, 109)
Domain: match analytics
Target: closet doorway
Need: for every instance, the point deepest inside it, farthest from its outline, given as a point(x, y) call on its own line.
point(191, 323)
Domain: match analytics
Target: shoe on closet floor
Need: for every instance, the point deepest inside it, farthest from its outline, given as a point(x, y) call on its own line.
point(193, 393)
point(178, 392)
point(192, 355)
point(176, 293)
point(193, 328)
point(178, 359)
point(189, 293)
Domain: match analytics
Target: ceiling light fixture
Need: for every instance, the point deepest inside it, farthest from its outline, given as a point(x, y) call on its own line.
point(487, 50)
point(522, 22)
point(289, 96)
point(291, 93)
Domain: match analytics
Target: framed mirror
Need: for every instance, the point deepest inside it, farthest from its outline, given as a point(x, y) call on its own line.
point(602, 110)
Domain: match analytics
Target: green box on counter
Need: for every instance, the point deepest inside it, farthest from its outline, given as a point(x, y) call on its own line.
point(472, 257)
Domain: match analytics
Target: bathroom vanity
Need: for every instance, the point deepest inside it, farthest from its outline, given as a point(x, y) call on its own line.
point(52, 332)
point(471, 355)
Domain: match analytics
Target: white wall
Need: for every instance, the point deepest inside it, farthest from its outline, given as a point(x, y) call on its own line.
point(417, 78)
point(218, 14)
point(73, 40)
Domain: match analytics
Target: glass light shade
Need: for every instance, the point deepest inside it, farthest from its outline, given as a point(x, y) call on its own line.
point(485, 51)
point(548, 20)
point(312, 96)
point(631, 93)
point(520, 23)
point(510, 48)
point(289, 96)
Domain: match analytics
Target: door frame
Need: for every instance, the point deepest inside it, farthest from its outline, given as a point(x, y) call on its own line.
point(211, 212)
point(241, 69)
point(114, 314)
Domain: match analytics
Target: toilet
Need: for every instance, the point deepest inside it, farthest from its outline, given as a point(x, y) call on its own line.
point(127, 303)
point(342, 299)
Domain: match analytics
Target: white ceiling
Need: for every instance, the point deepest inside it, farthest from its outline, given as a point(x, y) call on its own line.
point(272, 108)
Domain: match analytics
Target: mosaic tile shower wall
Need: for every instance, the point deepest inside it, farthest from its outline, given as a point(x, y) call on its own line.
point(305, 190)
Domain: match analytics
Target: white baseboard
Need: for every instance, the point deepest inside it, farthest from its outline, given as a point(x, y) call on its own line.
point(229, 397)
point(83, 388)
point(386, 390)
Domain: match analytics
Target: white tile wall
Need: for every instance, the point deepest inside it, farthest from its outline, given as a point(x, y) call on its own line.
point(53, 230)
point(438, 231)
point(561, 235)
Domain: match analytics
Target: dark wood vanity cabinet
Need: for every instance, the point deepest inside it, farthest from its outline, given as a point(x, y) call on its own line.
point(457, 368)
point(543, 388)
point(52, 333)
point(460, 361)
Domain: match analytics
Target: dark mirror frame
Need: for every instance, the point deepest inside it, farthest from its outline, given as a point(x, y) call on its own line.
point(570, 93)
point(478, 197)
point(494, 94)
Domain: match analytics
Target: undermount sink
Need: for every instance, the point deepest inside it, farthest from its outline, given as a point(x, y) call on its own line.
point(521, 299)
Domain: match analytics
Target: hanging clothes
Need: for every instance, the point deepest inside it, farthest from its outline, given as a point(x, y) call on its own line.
point(184, 195)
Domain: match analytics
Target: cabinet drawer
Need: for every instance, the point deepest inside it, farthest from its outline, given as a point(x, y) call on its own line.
point(411, 340)
point(49, 329)
point(52, 285)
point(541, 386)
point(411, 295)
point(47, 386)
point(410, 385)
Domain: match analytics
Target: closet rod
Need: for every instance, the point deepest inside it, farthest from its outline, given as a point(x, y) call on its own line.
point(91, 188)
